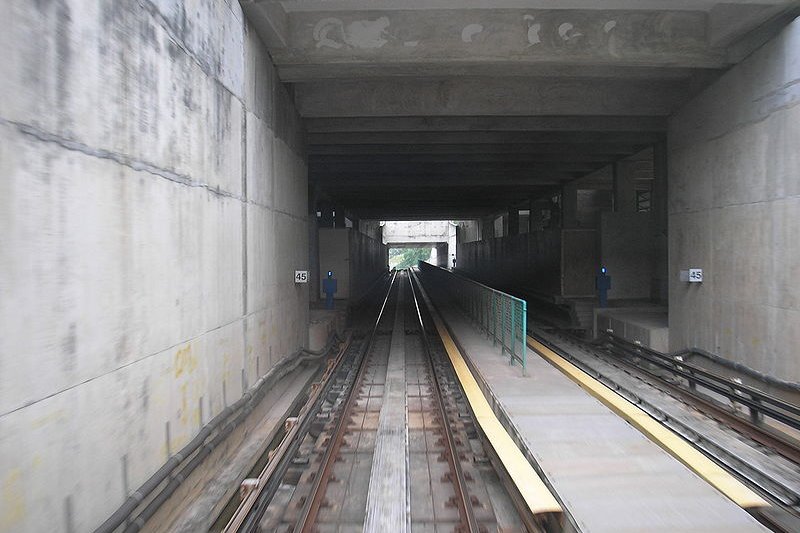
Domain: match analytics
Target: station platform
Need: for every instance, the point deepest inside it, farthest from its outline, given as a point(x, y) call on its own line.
point(607, 475)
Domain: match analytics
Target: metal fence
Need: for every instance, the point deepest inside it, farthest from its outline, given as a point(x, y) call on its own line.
point(500, 316)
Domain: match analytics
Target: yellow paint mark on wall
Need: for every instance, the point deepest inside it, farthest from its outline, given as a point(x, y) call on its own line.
point(44, 420)
point(185, 361)
point(13, 503)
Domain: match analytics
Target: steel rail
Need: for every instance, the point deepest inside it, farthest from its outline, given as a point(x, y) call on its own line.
point(755, 399)
point(252, 490)
point(784, 516)
point(462, 497)
point(766, 436)
point(308, 516)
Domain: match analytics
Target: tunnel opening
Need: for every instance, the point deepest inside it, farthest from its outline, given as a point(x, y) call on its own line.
point(406, 257)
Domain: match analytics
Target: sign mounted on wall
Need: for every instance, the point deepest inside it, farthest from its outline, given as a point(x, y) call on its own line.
point(301, 276)
point(695, 275)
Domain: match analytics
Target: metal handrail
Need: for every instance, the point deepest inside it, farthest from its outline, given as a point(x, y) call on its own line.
point(758, 402)
point(499, 315)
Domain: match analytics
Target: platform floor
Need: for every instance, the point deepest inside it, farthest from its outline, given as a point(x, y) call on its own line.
point(608, 476)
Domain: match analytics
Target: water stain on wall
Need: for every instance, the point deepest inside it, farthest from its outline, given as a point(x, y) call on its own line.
point(13, 504)
point(185, 361)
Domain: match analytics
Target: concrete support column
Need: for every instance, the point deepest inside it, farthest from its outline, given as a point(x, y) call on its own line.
point(660, 288)
point(531, 211)
point(326, 220)
point(513, 221)
point(569, 205)
point(313, 247)
point(487, 228)
point(659, 195)
point(443, 259)
point(624, 187)
point(339, 215)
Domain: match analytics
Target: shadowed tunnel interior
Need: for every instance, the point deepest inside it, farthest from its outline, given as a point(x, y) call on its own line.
point(178, 177)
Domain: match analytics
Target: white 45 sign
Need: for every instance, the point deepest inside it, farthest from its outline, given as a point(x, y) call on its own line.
point(695, 275)
point(301, 276)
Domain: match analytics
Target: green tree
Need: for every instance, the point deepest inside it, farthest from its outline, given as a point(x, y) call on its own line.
point(400, 258)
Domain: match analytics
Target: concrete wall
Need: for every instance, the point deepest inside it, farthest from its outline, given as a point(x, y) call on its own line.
point(334, 256)
point(371, 228)
point(424, 231)
point(734, 210)
point(369, 259)
point(627, 250)
point(469, 231)
point(532, 261)
point(152, 211)
point(356, 260)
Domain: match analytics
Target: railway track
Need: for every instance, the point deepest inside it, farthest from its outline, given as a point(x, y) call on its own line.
point(717, 397)
point(339, 466)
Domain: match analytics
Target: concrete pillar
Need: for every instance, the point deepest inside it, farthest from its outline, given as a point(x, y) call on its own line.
point(660, 288)
point(487, 228)
point(624, 187)
point(659, 194)
point(326, 220)
point(513, 221)
point(569, 205)
point(313, 247)
point(339, 216)
point(443, 259)
point(534, 215)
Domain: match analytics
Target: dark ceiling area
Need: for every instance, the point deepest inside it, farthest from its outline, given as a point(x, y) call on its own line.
point(465, 167)
point(462, 109)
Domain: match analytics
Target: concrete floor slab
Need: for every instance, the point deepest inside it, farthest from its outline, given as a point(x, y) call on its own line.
point(607, 474)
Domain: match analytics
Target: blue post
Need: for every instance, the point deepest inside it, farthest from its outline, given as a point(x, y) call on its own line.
point(603, 283)
point(329, 287)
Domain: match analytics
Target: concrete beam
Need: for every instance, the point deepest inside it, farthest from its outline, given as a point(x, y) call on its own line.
point(367, 169)
point(294, 73)
point(271, 21)
point(489, 137)
point(404, 182)
point(398, 159)
point(486, 123)
point(412, 213)
point(495, 96)
point(605, 146)
point(391, 5)
point(529, 35)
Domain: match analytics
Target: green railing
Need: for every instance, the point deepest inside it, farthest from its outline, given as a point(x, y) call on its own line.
point(502, 317)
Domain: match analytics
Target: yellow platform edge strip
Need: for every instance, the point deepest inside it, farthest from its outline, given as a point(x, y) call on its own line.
point(534, 492)
point(672, 443)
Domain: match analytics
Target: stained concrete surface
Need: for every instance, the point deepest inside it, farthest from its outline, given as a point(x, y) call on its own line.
point(152, 212)
point(154, 202)
point(607, 474)
point(734, 199)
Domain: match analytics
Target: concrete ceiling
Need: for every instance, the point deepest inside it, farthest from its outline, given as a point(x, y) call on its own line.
point(447, 108)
